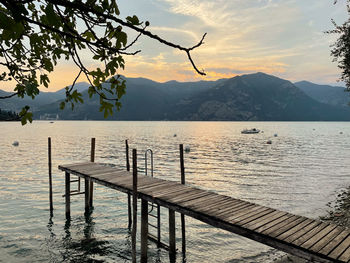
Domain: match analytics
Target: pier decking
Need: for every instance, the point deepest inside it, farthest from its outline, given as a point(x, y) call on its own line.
point(297, 235)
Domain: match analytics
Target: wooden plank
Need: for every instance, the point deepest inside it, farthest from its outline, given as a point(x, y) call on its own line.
point(296, 229)
point(224, 206)
point(334, 243)
point(336, 253)
point(345, 256)
point(169, 193)
point(264, 220)
point(285, 228)
point(189, 194)
point(252, 217)
point(230, 212)
point(76, 165)
point(309, 234)
point(302, 231)
point(249, 214)
point(242, 212)
point(115, 173)
point(227, 212)
point(284, 225)
point(158, 187)
point(208, 201)
point(221, 204)
point(211, 204)
point(312, 241)
point(327, 239)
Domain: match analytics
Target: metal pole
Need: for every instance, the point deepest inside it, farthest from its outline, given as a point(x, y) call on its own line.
point(50, 176)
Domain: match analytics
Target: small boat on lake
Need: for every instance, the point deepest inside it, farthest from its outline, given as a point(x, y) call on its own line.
point(250, 131)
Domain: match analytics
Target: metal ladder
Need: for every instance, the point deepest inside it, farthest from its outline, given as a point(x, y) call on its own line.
point(153, 207)
point(75, 192)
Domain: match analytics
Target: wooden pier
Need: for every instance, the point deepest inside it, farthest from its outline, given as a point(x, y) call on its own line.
point(297, 235)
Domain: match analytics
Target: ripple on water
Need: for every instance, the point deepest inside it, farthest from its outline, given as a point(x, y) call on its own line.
point(298, 172)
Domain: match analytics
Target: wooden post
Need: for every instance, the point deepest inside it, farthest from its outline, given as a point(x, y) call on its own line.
point(134, 204)
point(92, 159)
point(50, 176)
point(129, 196)
point(144, 230)
point(67, 195)
point(87, 189)
point(172, 241)
point(183, 225)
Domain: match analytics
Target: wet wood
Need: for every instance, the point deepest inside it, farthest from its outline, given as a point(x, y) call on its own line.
point(129, 196)
point(337, 252)
point(50, 176)
point(144, 230)
point(91, 184)
point(67, 181)
point(326, 250)
point(134, 204)
point(303, 237)
point(172, 237)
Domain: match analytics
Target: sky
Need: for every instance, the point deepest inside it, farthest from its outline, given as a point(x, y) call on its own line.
point(284, 38)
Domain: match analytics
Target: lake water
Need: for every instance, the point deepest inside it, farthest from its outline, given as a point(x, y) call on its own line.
point(303, 169)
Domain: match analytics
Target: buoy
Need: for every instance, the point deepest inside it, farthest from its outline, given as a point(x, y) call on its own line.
point(175, 135)
point(269, 142)
point(187, 149)
point(15, 143)
point(340, 132)
point(275, 135)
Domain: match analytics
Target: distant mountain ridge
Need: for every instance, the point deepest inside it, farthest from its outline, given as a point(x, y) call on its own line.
point(256, 96)
point(335, 96)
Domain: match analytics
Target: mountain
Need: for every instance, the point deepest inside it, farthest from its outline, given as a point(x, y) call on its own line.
point(248, 97)
point(144, 100)
point(335, 96)
point(44, 98)
point(256, 97)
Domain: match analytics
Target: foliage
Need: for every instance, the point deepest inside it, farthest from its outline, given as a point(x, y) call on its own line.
point(8, 115)
point(35, 35)
point(341, 48)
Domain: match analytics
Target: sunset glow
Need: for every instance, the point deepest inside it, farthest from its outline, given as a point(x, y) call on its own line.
point(282, 38)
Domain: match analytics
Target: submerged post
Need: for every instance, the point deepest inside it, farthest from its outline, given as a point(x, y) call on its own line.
point(92, 159)
point(67, 195)
point(172, 240)
point(183, 225)
point(134, 204)
point(50, 176)
point(144, 230)
point(128, 169)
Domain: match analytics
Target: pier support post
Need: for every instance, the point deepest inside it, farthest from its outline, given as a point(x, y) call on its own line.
point(144, 230)
point(172, 241)
point(87, 189)
point(129, 196)
point(134, 204)
point(50, 176)
point(67, 181)
point(183, 225)
point(92, 159)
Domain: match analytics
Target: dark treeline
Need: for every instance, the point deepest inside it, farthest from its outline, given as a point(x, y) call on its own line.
point(8, 116)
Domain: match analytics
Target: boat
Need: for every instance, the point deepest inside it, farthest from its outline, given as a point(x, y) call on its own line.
point(250, 131)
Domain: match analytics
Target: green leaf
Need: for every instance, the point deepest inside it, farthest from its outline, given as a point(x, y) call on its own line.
point(134, 20)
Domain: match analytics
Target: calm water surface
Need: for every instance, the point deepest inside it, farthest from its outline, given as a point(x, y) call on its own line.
point(300, 172)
